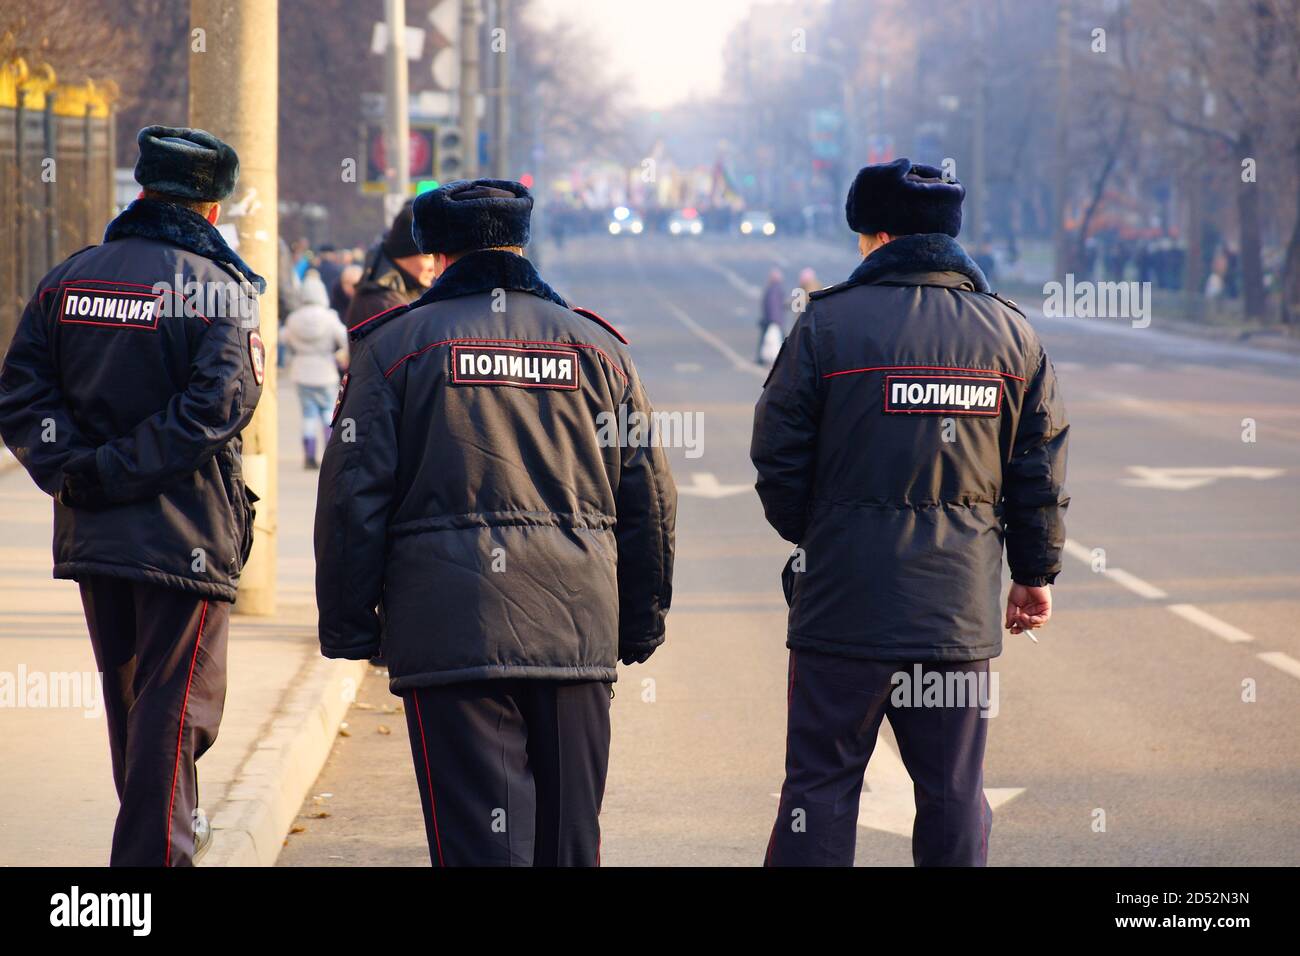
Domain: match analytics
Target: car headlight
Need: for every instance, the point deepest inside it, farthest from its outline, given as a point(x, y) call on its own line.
point(637, 227)
point(769, 228)
point(615, 228)
point(696, 228)
point(746, 227)
point(675, 228)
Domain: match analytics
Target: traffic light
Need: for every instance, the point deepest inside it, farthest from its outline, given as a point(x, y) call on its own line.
point(450, 155)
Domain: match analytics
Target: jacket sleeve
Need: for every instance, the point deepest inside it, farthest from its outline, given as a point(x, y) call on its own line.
point(357, 480)
point(36, 424)
point(1033, 483)
point(217, 403)
point(647, 517)
point(786, 419)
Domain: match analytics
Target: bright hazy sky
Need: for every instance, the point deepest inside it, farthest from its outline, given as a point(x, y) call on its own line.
point(667, 49)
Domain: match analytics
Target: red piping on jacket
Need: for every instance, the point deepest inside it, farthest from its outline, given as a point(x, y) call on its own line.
point(927, 368)
point(377, 315)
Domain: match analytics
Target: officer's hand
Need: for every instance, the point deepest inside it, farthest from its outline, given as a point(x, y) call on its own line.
point(630, 657)
point(1028, 607)
point(81, 487)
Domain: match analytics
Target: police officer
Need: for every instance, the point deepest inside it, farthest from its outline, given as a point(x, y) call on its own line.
point(476, 485)
point(123, 393)
point(910, 426)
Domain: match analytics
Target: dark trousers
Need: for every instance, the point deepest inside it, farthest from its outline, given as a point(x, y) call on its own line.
point(511, 772)
point(836, 705)
point(163, 656)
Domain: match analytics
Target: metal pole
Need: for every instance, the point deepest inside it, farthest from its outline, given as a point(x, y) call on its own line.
point(51, 187)
point(87, 187)
point(233, 96)
point(469, 85)
point(501, 137)
point(20, 202)
point(110, 162)
point(397, 130)
point(1059, 199)
point(977, 133)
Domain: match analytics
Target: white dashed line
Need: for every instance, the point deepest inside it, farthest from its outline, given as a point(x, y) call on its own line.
point(1222, 629)
point(1135, 584)
point(738, 361)
point(1125, 580)
point(1283, 662)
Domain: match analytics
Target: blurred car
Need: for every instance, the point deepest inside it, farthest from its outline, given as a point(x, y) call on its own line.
point(623, 221)
point(685, 222)
point(756, 223)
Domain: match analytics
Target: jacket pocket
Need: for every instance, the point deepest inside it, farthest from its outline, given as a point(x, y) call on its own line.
point(240, 499)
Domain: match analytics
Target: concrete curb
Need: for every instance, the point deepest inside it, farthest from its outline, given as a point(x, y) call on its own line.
point(250, 823)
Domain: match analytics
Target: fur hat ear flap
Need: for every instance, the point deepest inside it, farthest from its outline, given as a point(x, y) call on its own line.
point(904, 199)
point(467, 215)
point(186, 163)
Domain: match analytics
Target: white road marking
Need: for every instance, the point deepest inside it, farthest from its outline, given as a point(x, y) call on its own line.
point(1184, 479)
point(1121, 577)
point(738, 361)
point(733, 277)
point(888, 800)
point(705, 484)
point(1135, 584)
point(1221, 629)
point(1283, 662)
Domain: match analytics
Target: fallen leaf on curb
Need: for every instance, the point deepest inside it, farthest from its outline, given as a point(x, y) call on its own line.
point(318, 815)
point(344, 732)
point(384, 730)
point(297, 828)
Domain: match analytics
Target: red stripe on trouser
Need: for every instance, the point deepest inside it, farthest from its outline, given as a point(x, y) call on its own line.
point(180, 734)
point(428, 777)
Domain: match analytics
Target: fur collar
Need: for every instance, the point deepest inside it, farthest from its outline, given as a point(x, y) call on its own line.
point(484, 271)
point(167, 222)
point(916, 260)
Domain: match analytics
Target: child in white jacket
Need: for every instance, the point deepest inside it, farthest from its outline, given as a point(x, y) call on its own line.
point(318, 344)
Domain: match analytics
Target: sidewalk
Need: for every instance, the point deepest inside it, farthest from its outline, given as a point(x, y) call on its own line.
point(283, 706)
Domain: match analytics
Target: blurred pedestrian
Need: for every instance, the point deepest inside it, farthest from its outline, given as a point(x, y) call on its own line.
point(317, 344)
point(398, 273)
point(808, 284)
point(126, 406)
point(771, 318)
point(345, 288)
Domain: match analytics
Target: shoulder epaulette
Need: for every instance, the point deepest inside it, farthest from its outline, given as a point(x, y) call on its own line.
point(601, 322)
point(1009, 303)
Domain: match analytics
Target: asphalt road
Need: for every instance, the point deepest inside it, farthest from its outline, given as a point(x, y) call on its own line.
point(1155, 723)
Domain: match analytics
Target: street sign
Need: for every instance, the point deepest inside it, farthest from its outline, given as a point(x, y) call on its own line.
point(421, 157)
point(445, 20)
point(414, 41)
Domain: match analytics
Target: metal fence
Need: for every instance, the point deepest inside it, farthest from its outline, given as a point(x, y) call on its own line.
point(56, 177)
